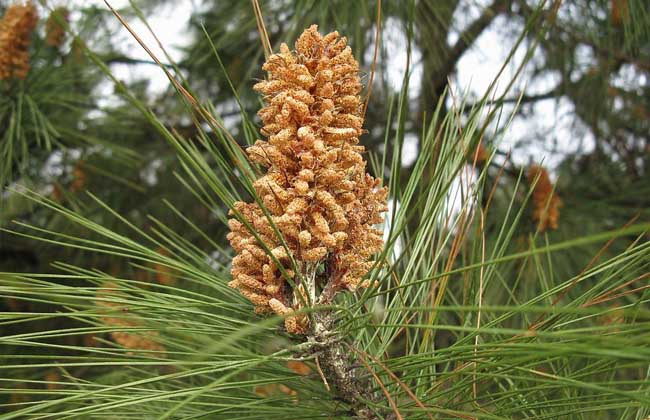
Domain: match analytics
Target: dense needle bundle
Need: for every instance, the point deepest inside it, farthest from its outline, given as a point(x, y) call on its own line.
point(16, 29)
point(316, 188)
point(54, 30)
point(546, 203)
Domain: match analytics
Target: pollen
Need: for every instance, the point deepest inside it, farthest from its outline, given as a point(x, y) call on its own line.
point(321, 200)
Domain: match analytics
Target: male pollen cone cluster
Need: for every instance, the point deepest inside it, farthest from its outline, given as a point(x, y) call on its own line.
point(120, 319)
point(316, 188)
point(546, 203)
point(54, 30)
point(16, 29)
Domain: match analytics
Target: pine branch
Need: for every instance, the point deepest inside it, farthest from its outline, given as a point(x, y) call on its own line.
point(600, 50)
point(467, 38)
point(123, 59)
point(523, 99)
point(475, 29)
point(337, 368)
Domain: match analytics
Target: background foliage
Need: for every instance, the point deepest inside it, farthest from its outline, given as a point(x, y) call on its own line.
point(114, 200)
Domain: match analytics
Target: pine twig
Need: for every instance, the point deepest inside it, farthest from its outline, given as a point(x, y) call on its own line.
point(337, 368)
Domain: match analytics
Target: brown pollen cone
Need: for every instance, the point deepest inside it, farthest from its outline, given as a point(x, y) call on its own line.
point(164, 274)
point(54, 30)
point(16, 28)
point(316, 188)
point(546, 203)
point(118, 317)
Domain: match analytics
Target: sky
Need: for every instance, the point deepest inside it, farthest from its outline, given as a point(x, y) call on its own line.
point(551, 123)
point(170, 25)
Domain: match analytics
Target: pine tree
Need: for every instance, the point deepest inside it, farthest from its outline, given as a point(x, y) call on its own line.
point(253, 243)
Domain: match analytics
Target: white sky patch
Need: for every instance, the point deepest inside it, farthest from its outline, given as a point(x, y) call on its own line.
point(463, 16)
point(461, 195)
point(548, 131)
point(53, 165)
point(480, 65)
point(149, 173)
point(394, 41)
point(409, 149)
point(215, 260)
point(476, 70)
point(169, 22)
point(388, 217)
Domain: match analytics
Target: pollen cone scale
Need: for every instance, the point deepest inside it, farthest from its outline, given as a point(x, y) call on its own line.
point(315, 188)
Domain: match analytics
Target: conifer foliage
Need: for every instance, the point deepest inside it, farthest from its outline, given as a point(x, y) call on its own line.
point(375, 242)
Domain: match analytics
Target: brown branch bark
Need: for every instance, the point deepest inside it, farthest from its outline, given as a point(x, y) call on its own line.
point(336, 364)
point(439, 59)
